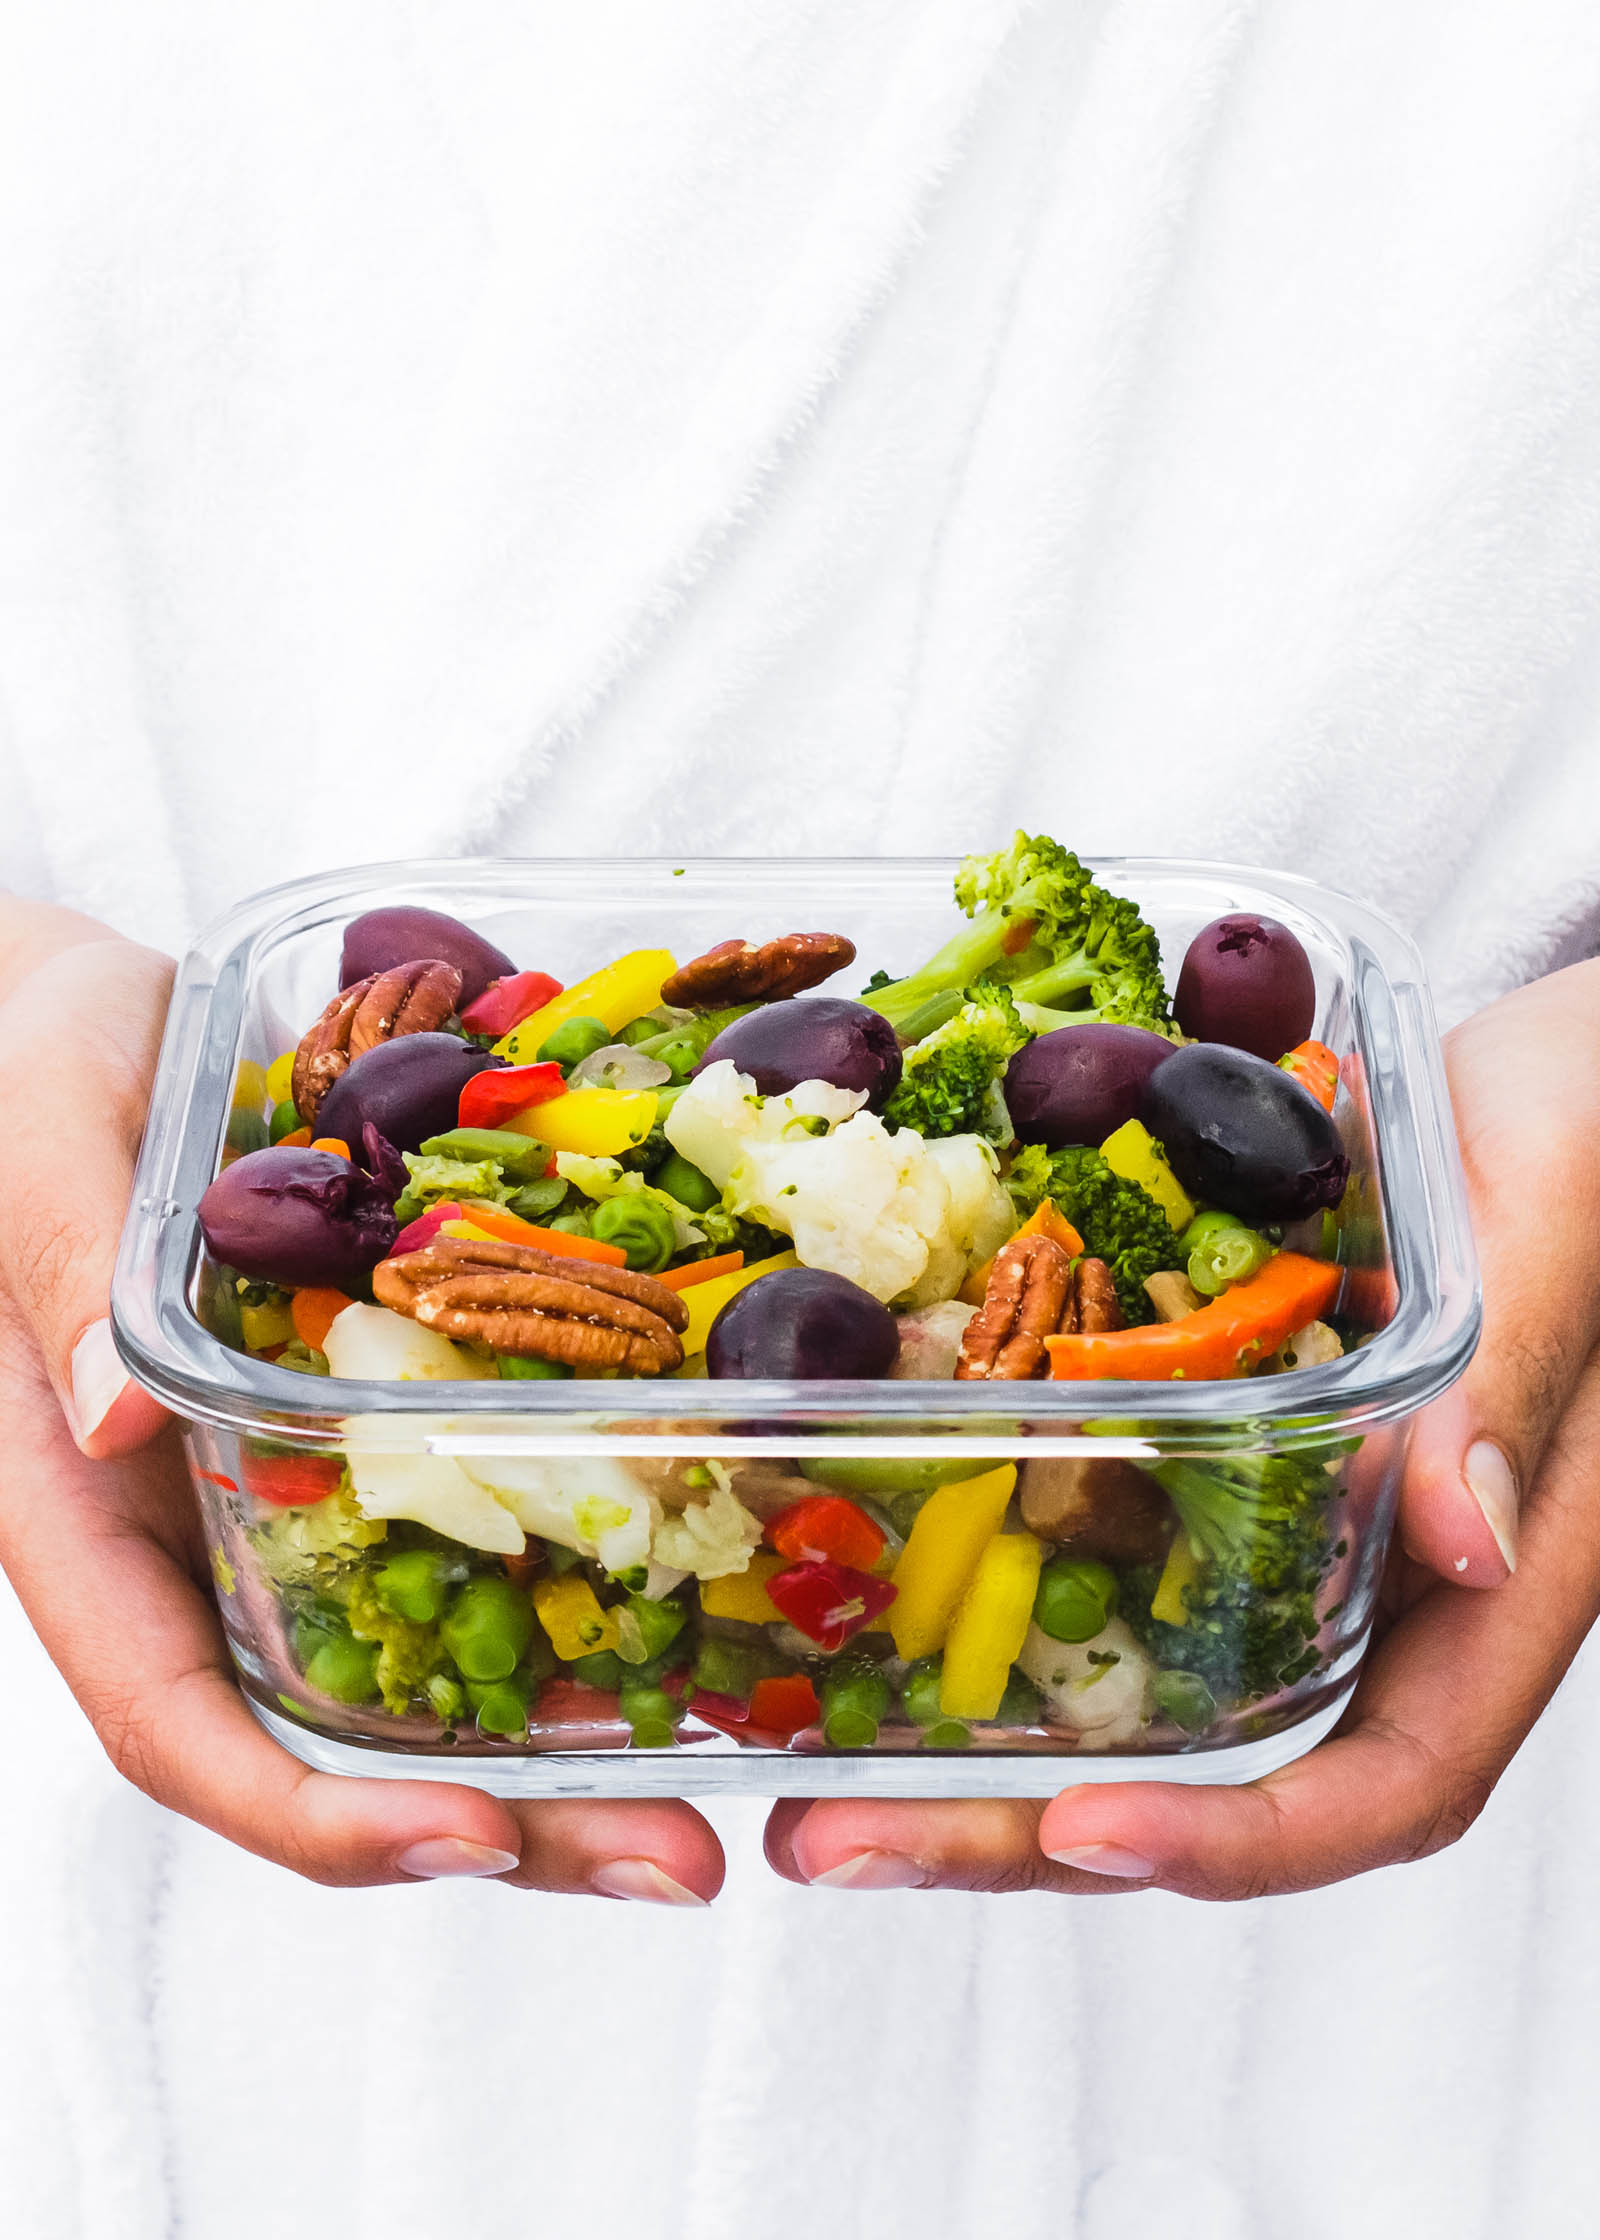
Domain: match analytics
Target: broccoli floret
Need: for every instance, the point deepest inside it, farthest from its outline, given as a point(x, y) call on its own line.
point(1056, 938)
point(948, 1087)
point(1262, 1525)
point(1118, 1220)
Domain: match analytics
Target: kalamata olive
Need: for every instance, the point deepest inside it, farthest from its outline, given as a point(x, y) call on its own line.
point(409, 1089)
point(1248, 982)
point(296, 1216)
point(1077, 1084)
point(381, 938)
point(802, 1322)
point(1243, 1135)
point(812, 1038)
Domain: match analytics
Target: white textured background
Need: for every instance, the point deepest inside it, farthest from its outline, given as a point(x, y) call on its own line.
point(792, 426)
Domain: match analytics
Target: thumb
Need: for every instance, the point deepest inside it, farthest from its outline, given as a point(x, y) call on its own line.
point(1526, 1093)
point(84, 1094)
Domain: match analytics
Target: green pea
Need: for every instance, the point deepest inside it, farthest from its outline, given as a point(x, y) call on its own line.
point(642, 1225)
point(854, 1696)
point(919, 1691)
point(487, 1628)
point(1019, 1706)
point(1221, 1251)
point(1185, 1699)
point(502, 1705)
point(1075, 1599)
point(573, 1041)
point(726, 1668)
point(638, 1030)
point(529, 1366)
point(660, 1623)
point(247, 1131)
point(682, 1180)
point(285, 1120)
point(415, 1585)
point(601, 1668)
point(650, 1712)
point(518, 1157)
point(344, 1668)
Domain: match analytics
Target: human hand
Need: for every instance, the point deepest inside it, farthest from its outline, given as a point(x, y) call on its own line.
point(101, 1537)
point(1458, 1676)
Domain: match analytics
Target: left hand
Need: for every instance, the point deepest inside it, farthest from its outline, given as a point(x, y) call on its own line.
point(1459, 1674)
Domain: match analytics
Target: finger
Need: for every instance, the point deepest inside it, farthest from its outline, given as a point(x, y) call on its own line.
point(64, 1211)
point(660, 1852)
point(1534, 1187)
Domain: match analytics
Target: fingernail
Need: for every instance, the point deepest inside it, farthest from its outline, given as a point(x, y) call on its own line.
point(642, 1878)
point(1492, 1483)
point(438, 1856)
point(871, 1870)
point(98, 1380)
point(1105, 1858)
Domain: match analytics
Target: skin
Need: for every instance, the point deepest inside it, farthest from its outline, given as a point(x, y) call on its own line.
point(100, 1538)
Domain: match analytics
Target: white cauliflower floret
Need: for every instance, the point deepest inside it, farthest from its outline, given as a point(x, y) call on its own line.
point(1105, 1704)
point(711, 1538)
point(861, 1202)
point(592, 1505)
point(385, 1348)
point(977, 1221)
point(720, 1115)
point(434, 1490)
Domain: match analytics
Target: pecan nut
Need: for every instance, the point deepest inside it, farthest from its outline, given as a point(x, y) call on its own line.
point(520, 1300)
point(414, 998)
point(1037, 1290)
point(750, 972)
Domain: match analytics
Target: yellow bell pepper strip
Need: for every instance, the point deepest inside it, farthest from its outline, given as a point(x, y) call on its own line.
point(990, 1626)
point(601, 1122)
point(1046, 1220)
point(1183, 1566)
point(705, 1301)
point(1224, 1339)
point(743, 1594)
point(268, 1325)
point(1131, 1151)
point(953, 1527)
point(570, 1612)
point(615, 994)
point(280, 1075)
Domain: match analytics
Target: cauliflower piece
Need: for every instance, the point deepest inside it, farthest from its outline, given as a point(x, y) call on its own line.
point(930, 1339)
point(382, 1347)
point(434, 1490)
point(711, 1538)
point(861, 1202)
point(720, 1116)
point(981, 1216)
point(593, 1505)
point(1105, 1704)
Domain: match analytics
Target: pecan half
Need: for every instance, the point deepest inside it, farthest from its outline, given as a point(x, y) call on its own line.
point(412, 998)
point(1093, 1303)
point(745, 972)
point(1036, 1290)
point(520, 1300)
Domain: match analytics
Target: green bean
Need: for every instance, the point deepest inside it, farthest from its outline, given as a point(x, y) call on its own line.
point(727, 1668)
point(855, 1694)
point(1019, 1706)
point(601, 1668)
point(642, 1029)
point(571, 1224)
point(947, 1734)
point(660, 1623)
point(344, 1668)
point(535, 1201)
point(1185, 1699)
point(685, 1182)
point(414, 1585)
point(1075, 1599)
point(529, 1367)
point(641, 1224)
point(487, 1628)
point(572, 1042)
point(919, 1691)
point(518, 1157)
point(502, 1705)
point(650, 1712)
point(1221, 1251)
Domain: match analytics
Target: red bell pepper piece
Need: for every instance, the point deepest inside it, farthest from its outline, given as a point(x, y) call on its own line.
point(290, 1481)
point(717, 1709)
point(786, 1704)
point(425, 1228)
point(504, 1004)
point(825, 1526)
point(499, 1092)
point(829, 1602)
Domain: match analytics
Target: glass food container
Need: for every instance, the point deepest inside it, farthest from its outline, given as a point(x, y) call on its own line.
point(351, 1683)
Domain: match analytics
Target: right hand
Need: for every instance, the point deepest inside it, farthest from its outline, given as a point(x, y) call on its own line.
point(99, 1531)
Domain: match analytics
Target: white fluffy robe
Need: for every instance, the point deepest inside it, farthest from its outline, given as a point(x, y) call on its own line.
point(793, 426)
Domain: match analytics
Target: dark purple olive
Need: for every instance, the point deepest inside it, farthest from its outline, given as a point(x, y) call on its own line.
point(1077, 1084)
point(381, 938)
point(381, 1160)
point(291, 1216)
point(1243, 1135)
point(803, 1322)
point(1247, 981)
point(812, 1038)
point(409, 1089)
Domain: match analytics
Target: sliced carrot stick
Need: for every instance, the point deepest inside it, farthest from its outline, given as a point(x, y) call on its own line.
point(335, 1144)
point(1316, 1068)
point(296, 1140)
point(510, 1228)
point(701, 1271)
point(1224, 1339)
point(312, 1312)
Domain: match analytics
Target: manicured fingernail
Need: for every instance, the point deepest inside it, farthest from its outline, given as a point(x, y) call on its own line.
point(98, 1380)
point(641, 1878)
point(1105, 1858)
point(1492, 1483)
point(438, 1856)
point(871, 1870)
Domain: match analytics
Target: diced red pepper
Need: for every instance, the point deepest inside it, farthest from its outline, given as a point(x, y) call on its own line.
point(504, 1004)
point(786, 1704)
point(829, 1602)
point(425, 1228)
point(215, 1478)
point(500, 1092)
point(290, 1481)
point(718, 1710)
point(826, 1526)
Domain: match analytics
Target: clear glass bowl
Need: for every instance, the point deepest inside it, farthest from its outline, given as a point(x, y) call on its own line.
point(1123, 1704)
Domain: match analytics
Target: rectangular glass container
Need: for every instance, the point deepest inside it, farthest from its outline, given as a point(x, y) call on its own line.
point(1107, 1708)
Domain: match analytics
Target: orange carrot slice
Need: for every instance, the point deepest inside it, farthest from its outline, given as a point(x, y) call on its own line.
point(1316, 1068)
point(510, 1228)
point(335, 1144)
point(1224, 1339)
point(701, 1271)
point(298, 1139)
point(312, 1312)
